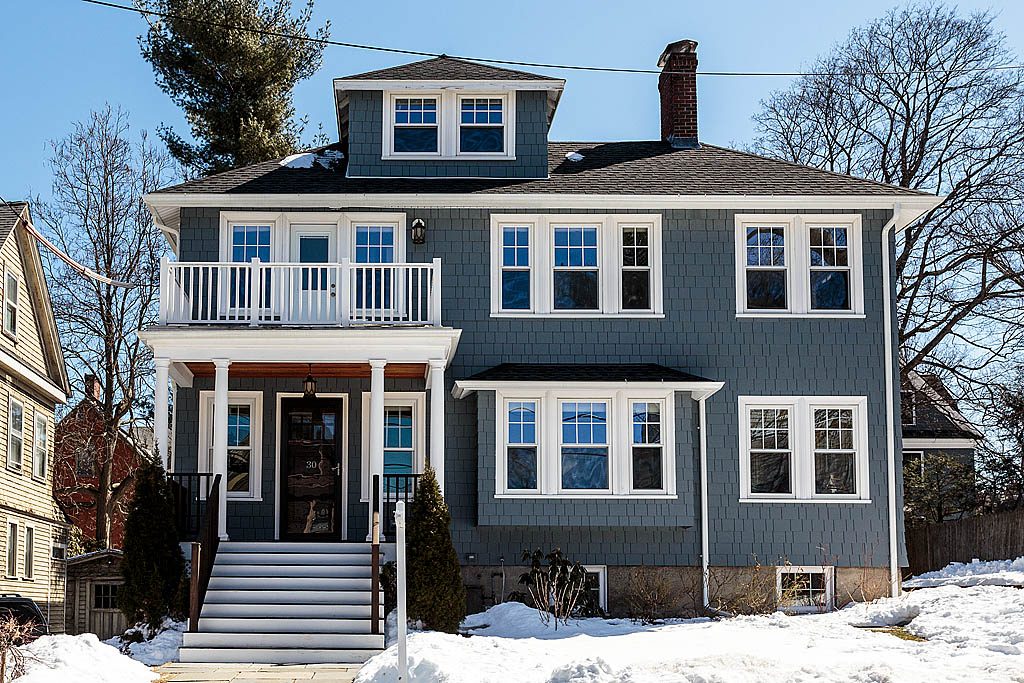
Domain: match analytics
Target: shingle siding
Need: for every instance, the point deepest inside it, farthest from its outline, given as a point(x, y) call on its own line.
point(700, 334)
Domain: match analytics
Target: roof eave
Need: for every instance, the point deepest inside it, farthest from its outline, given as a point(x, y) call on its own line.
point(699, 389)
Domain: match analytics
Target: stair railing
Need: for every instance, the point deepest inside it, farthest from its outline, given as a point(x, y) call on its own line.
point(204, 552)
point(375, 560)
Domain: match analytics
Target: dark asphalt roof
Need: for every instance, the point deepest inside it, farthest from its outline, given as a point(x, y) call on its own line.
point(568, 372)
point(638, 168)
point(446, 68)
point(9, 218)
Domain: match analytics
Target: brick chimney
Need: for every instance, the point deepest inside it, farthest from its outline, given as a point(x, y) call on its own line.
point(678, 87)
point(93, 388)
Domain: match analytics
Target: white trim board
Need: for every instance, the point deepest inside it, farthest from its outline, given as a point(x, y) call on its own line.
point(344, 84)
point(698, 390)
point(928, 444)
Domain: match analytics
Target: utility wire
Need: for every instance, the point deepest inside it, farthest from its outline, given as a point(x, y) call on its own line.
point(63, 256)
point(539, 65)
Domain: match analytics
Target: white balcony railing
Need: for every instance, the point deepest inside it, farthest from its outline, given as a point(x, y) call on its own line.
point(321, 294)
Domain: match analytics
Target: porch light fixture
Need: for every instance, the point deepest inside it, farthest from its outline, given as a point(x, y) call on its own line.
point(309, 384)
point(419, 231)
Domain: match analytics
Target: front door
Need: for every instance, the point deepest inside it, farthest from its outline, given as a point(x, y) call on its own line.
point(314, 289)
point(311, 469)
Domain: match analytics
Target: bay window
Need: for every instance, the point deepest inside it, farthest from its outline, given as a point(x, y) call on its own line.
point(521, 450)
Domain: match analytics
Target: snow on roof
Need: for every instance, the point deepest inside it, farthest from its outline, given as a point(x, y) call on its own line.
point(574, 156)
point(325, 158)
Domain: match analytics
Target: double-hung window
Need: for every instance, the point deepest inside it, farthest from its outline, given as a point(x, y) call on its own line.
point(806, 265)
point(481, 125)
point(40, 444)
point(584, 442)
point(415, 129)
point(15, 434)
point(803, 448)
point(576, 265)
point(30, 552)
point(12, 549)
point(245, 425)
point(11, 304)
point(248, 241)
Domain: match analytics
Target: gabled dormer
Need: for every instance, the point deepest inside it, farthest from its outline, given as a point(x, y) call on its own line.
point(448, 118)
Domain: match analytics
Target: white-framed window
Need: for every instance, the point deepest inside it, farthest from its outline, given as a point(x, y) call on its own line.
point(12, 549)
point(15, 434)
point(59, 551)
point(10, 303)
point(404, 436)
point(913, 461)
point(448, 124)
point(803, 448)
point(597, 584)
point(40, 446)
point(30, 552)
point(799, 265)
point(908, 407)
point(805, 589)
point(576, 265)
point(580, 442)
point(245, 441)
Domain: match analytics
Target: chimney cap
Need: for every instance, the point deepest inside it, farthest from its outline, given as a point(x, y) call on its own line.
point(684, 46)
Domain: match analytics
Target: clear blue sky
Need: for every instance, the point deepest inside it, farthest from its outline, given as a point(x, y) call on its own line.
point(61, 58)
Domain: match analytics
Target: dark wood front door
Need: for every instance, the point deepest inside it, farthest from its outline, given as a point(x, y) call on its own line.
point(311, 469)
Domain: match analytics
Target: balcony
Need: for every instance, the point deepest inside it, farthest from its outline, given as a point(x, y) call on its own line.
point(341, 294)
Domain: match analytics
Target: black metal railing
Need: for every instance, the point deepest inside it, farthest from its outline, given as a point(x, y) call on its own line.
point(191, 491)
point(204, 552)
point(397, 487)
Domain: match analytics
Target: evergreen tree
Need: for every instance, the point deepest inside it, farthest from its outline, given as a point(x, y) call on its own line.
point(231, 66)
point(152, 564)
point(436, 595)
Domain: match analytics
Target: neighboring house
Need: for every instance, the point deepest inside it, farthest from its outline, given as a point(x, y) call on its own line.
point(937, 436)
point(661, 353)
point(33, 381)
point(79, 440)
point(94, 580)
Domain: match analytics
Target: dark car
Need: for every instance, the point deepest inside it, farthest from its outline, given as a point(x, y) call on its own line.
point(25, 610)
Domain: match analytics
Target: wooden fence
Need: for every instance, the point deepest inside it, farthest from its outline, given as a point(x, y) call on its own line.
point(988, 537)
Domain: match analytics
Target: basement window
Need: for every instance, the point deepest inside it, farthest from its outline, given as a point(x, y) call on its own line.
point(805, 589)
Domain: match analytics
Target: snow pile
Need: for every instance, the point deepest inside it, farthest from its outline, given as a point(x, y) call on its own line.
point(80, 659)
point(574, 156)
point(161, 649)
point(975, 573)
point(326, 158)
point(974, 634)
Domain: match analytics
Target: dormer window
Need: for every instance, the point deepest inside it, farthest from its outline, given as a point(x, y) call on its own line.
point(449, 124)
point(481, 125)
point(415, 129)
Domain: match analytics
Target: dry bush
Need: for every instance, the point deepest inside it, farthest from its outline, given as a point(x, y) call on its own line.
point(13, 634)
point(648, 595)
point(755, 593)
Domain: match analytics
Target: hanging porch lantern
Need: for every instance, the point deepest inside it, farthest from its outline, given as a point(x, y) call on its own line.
point(309, 384)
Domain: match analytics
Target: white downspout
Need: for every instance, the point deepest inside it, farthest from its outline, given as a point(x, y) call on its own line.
point(704, 542)
point(890, 427)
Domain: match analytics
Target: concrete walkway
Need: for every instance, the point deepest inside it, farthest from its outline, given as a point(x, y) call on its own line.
point(258, 673)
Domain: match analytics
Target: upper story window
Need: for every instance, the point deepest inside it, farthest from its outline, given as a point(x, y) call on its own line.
point(40, 447)
point(448, 124)
point(805, 265)
point(249, 242)
point(415, 130)
point(576, 265)
point(908, 408)
point(11, 304)
point(15, 434)
point(803, 448)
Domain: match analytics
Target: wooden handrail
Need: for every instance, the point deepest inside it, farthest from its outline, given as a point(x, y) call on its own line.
point(375, 561)
point(204, 552)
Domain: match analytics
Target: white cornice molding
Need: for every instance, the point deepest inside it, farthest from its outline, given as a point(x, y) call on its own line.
point(698, 389)
point(929, 444)
point(341, 84)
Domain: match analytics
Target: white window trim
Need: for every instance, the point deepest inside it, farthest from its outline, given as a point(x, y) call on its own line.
point(508, 131)
point(40, 423)
point(255, 401)
point(797, 249)
point(609, 264)
point(28, 562)
point(802, 447)
point(8, 275)
point(620, 446)
point(830, 587)
point(10, 433)
point(418, 401)
point(448, 119)
point(601, 571)
point(920, 458)
point(7, 548)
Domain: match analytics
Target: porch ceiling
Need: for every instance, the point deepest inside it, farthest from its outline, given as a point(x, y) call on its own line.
point(319, 370)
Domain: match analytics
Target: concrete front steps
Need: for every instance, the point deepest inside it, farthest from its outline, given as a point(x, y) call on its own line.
point(287, 603)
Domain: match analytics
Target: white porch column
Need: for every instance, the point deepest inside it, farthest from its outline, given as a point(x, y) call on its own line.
point(377, 437)
point(160, 410)
point(437, 420)
point(220, 438)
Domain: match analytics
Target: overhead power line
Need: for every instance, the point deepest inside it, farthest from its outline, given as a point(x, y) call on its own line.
point(537, 65)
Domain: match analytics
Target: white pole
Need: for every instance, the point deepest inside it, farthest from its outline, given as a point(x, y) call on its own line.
point(403, 659)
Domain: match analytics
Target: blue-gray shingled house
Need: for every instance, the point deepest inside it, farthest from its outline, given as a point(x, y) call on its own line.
point(662, 353)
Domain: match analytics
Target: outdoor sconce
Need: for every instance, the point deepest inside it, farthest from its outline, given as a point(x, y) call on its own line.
point(419, 231)
point(309, 384)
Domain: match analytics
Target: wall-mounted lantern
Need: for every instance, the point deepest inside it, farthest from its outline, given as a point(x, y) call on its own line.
point(419, 231)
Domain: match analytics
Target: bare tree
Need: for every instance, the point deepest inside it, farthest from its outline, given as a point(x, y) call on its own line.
point(917, 99)
point(97, 216)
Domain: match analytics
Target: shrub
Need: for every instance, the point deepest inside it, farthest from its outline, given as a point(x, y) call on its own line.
point(558, 590)
point(437, 596)
point(152, 563)
point(13, 634)
point(648, 595)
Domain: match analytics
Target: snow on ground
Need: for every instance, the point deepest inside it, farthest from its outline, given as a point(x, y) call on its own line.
point(975, 573)
point(80, 659)
point(974, 634)
point(161, 649)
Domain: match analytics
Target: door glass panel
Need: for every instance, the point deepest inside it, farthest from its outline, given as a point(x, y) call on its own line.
point(312, 473)
point(314, 249)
